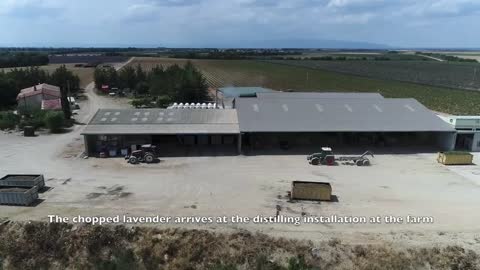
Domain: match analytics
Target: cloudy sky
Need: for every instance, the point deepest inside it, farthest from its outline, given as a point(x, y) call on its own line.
point(238, 23)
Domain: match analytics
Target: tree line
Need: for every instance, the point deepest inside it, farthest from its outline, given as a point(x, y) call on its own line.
point(160, 86)
point(233, 54)
point(22, 59)
point(13, 81)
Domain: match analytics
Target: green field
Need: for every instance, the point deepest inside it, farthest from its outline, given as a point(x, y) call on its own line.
point(284, 77)
point(442, 74)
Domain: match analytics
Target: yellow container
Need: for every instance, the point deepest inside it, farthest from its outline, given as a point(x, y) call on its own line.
point(316, 191)
point(455, 158)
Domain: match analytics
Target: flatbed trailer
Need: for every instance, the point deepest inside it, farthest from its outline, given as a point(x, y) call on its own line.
point(357, 160)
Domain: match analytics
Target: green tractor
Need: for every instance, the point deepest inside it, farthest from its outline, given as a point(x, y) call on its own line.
point(326, 157)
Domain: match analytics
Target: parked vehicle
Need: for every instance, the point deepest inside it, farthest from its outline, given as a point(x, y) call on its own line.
point(326, 157)
point(147, 154)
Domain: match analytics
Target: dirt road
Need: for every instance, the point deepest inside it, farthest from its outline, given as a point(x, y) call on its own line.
point(431, 57)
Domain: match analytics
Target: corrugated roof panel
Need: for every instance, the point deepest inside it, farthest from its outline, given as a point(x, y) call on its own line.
point(310, 95)
point(163, 121)
point(331, 115)
point(243, 91)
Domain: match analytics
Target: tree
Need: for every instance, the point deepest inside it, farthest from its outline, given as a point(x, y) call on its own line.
point(54, 121)
point(106, 76)
point(163, 101)
point(65, 104)
point(141, 75)
point(64, 78)
point(99, 77)
point(194, 87)
point(127, 77)
point(8, 120)
point(8, 92)
point(142, 88)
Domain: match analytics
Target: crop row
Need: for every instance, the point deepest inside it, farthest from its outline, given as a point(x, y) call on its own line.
point(452, 75)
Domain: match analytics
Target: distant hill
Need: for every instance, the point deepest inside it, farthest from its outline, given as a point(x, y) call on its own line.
point(290, 43)
point(315, 43)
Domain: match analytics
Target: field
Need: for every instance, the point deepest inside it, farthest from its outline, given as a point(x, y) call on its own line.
point(405, 56)
point(81, 58)
point(85, 74)
point(221, 73)
point(443, 74)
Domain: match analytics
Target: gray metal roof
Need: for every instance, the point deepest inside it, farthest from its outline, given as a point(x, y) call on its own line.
point(336, 115)
point(163, 121)
point(303, 95)
point(241, 91)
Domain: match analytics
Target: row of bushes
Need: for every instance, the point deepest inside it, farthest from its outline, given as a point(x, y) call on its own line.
point(54, 121)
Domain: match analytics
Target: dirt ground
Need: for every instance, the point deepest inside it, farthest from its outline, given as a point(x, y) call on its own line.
point(397, 185)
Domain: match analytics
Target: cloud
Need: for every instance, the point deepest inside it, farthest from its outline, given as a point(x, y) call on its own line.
point(442, 8)
point(30, 8)
point(190, 22)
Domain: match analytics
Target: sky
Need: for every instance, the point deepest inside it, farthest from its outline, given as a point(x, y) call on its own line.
point(239, 23)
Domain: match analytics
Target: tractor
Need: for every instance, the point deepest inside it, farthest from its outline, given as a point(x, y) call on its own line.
point(326, 157)
point(147, 154)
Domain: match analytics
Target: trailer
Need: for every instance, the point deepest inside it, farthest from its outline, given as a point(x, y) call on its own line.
point(357, 160)
point(326, 157)
point(23, 196)
point(23, 180)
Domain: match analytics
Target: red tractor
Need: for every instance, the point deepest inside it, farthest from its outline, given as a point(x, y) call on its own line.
point(147, 154)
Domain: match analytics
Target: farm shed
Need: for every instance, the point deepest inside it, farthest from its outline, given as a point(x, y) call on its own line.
point(340, 121)
point(301, 121)
point(176, 132)
point(468, 128)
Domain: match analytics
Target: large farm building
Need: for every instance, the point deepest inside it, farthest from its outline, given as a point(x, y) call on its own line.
point(270, 121)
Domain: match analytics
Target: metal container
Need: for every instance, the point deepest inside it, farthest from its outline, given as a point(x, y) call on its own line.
point(23, 180)
point(455, 158)
point(315, 191)
point(18, 195)
point(29, 131)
